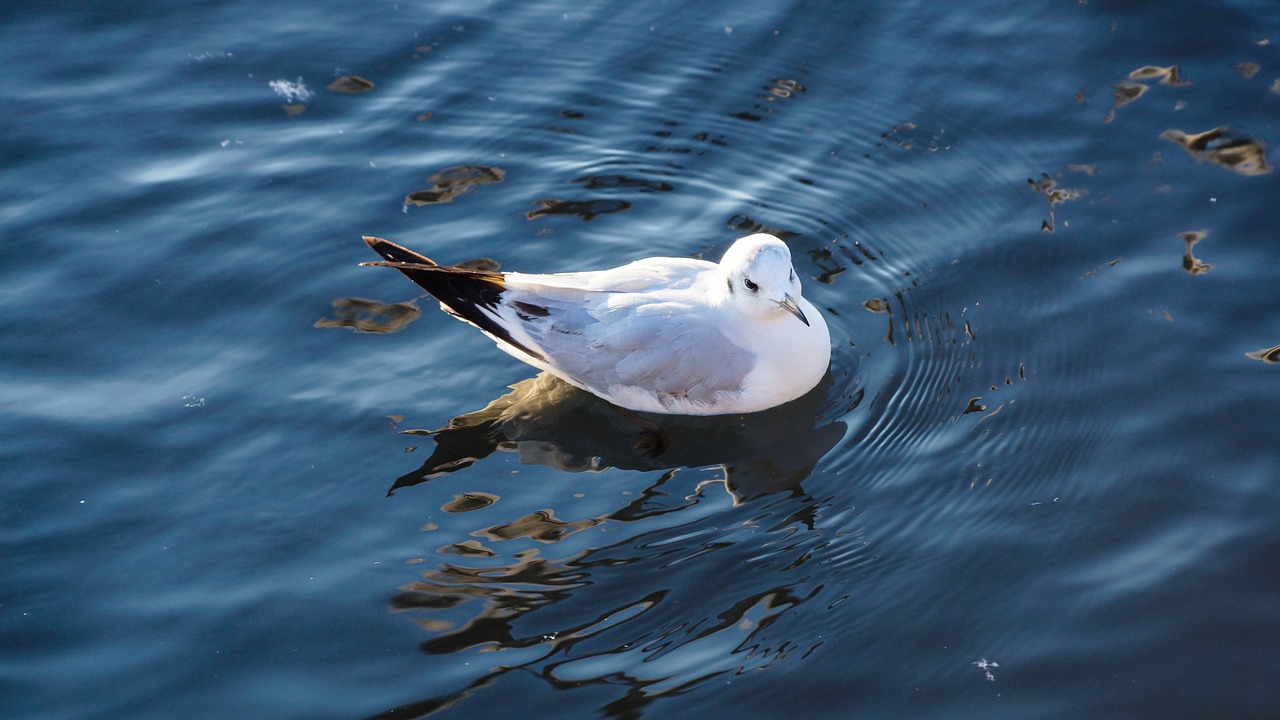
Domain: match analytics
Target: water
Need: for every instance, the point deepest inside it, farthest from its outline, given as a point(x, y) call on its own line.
point(1040, 481)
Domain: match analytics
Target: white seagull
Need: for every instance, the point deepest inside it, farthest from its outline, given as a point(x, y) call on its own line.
point(662, 335)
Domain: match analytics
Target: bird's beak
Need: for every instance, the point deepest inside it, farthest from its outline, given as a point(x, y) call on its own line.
point(788, 303)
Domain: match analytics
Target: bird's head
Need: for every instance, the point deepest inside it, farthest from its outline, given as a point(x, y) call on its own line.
point(759, 278)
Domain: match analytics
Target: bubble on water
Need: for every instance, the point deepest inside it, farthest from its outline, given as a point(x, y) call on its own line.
point(293, 91)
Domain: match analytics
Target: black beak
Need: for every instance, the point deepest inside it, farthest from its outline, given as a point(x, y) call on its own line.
point(788, 303)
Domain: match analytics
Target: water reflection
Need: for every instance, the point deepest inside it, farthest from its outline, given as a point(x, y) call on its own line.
point(351, 84)
point(652, 611)
point(549, 422)
point(1167, 75)
point(1266, 355)
point(1190, 262)
point(451, 182)
point(778, 90)
point(585, 209)
point(1047, 188)
point(1124, 93)
point(370, 316)
point(1225, 148)
point(611, 182)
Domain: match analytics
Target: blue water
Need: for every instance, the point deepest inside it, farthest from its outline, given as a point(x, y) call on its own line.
point(1041, 480)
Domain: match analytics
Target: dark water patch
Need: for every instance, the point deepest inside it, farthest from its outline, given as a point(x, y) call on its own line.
point(587, 210)
point(747, 225)
point(622, 182)
point(422, 599)
point(827, 263)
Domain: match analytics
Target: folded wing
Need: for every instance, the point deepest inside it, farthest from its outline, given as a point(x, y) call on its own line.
point(611, 332)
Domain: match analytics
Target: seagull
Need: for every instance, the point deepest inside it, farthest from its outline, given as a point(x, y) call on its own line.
point(675, 336)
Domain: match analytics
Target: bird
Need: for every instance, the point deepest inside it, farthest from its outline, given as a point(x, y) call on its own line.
point(666, 335)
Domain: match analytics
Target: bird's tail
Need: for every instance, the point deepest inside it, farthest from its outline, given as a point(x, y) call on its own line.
point(472, 295)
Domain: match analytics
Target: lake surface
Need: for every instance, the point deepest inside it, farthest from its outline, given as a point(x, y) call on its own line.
point(1041, 480)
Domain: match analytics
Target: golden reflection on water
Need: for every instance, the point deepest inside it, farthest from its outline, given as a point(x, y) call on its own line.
point(1167, 75)
point(1190, 262)
point(351, 84)
point(909, 136)
point(780, 89)
point(1266, 355)
point(1124, 93)
point(541, 526)
point(454, 181)
point(1094, 272)
point(370, 316)
point(469, 501)
point(469, 548)
point(1047, 188)
point(1225, 148)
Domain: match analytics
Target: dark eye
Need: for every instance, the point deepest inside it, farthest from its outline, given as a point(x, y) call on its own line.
point(750, 285)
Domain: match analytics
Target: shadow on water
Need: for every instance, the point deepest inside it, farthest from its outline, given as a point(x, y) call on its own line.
point(549, 422)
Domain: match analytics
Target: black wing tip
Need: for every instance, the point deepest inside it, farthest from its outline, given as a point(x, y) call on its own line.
point(395, 253)
point(466, 293)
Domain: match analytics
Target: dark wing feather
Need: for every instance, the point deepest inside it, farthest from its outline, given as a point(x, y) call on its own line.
point(473, 295)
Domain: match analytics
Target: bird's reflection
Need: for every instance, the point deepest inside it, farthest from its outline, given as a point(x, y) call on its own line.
point(549, 422)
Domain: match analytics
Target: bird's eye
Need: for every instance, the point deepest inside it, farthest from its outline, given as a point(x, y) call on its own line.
point(750, 285)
